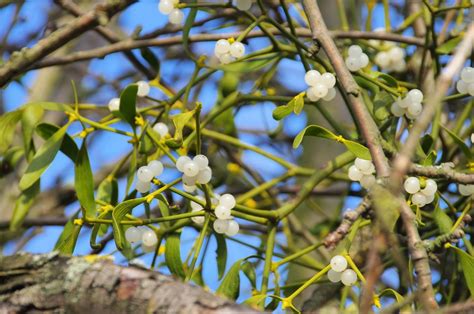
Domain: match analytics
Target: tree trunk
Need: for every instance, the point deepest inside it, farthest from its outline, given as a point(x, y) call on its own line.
point(93, 284)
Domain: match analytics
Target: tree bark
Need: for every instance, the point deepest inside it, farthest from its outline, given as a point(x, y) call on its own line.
point(93, 284)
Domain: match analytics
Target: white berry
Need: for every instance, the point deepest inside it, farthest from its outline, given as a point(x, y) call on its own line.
point(412, 185)
point(415, 108)
point(415, 95)
point(338, 263)
point(189, 180)
point(149, 238)
point(189, 188)
point(165, 7)
point(143, 89)
point(226, 58)
point(237, 49)
point(396, 110)
point(222, 47)
point(352, 63)
point(312, 77)
point(466, 189)
point(201, 161)
point(156, 167)
point(204, 176)
point(181, 161)
point(196, 206)
point(232, 228)
point(176, 17)
point(330, 95)
point(348, 277)
point(310, 94)
point(114, 104)
point(142, 186)
point(430, 187)
point(191, 169)
point(354, 173)
point(328, 80)
point(197, 219)
point(363, 164)
point(334, 276)
point(462, 87)
point(467, 75)
point(221, 225)
point(227, 200)
point(363, 60)
point(222, 212)
point(419, 199)
point(355, 51)
point(320, 90)
point(243, 5)
point(145, 174)
point(133, 234)
point(161, 129)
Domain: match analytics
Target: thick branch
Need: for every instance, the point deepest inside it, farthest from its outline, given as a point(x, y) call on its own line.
point(441, 172)
point(23, 59)
point(367, 125)
point(96, 285)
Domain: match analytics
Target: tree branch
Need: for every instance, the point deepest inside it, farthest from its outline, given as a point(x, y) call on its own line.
point(441, 172)
point(96, 285)
point(23, 59)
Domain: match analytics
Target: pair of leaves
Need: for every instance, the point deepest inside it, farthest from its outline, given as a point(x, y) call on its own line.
point(249, 65)
point(68, 238)
point(230, 285)
point(295, 105)
point(179, 120)
point(318, 131)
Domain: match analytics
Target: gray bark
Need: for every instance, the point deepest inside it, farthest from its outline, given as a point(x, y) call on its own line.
point(59, 284)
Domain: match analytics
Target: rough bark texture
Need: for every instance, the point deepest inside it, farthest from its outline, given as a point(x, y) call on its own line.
point(59, 284)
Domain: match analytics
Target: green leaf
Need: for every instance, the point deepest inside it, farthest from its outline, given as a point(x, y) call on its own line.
point(357, 149)
point(108, 191)
point(249, 271)
point(187, 28)
point(426, 143)
point(68, 238)
point(84, 182)
point(366, 84)
point(173, 255)
point(467, 266)
point(180, 120)
point(97, 229)
point(150, 57)
point(464, 148)
point(443, 221)
point(43, 158)
point(68, 146)
point(230, 285)
point(29, 119)
point(23, 204)
point(298, 101)
point(281, 112)
point(8, 122)
point(128, 103)
point(449, 46)
point(118, 214)
point(221, 254)
point(164, 208)
point(313, 130)
point(131, 170)
point(430, 159)
point(249, 65)
point(388, 79)
point(255, 300)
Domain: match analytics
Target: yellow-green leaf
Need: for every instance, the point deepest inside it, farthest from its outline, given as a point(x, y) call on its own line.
point(464, 148)
point(180, 121)
point(313, 130)
point(8, 122)
point(23, 204)
point(43, 158)
point(128, 103)
point(68, 238)
point(449, 46)
point(173, 255)
point(357, 149)
point(68, 146)
point(467, 266)
point(230, 285)
point(83, 181)
point(221, 254)
point(117, 215)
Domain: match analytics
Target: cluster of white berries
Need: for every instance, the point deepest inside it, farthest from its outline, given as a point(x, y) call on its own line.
point(143, 90)
point(228, 52)
point(224, 222)
point(168, 7)
point(161, 129)
point(466, 189)
point(339, 271)
point(144, 235)
point(243, 5)
point(194, 171)
point(466, 84)
point(392, 60)
point(420, 197)
point(410, 106)
point(363, 171)
point(146, 173)
point(357, 58)
point(320, 85)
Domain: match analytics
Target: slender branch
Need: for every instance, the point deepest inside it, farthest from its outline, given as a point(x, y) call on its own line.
point(441, 172)
point(129, 44)
point(23, 59)
point(434, 100)
point(367, 125)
